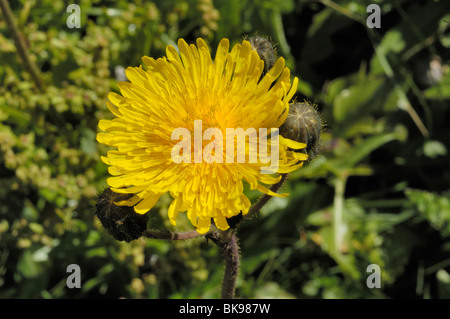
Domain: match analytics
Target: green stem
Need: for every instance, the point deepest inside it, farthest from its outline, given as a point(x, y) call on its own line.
point(22, 47)
point(339, 193)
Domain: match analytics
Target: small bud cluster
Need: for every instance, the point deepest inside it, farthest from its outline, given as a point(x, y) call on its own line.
point(303, 123)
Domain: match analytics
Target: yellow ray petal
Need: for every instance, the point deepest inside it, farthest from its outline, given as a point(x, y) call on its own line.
point(146, 204)
point(269, 192)
point(204, 224)
point(291, 144)
point(173, 211)
point(221, 222)
point(129, 202)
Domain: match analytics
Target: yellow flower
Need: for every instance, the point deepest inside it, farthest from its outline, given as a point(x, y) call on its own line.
point(180, 91)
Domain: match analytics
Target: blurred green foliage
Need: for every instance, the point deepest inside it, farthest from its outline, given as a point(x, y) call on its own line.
point(378, 193)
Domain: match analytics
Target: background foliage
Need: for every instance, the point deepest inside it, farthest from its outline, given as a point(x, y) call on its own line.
point(378, 194)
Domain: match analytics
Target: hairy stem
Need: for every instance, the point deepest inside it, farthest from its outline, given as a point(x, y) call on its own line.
point(165, 234)
point(231, 253)
point(226, 241)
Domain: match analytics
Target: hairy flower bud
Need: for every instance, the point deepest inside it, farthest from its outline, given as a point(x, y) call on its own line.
point(121, 221)
point(265, 51)
point(303, 124)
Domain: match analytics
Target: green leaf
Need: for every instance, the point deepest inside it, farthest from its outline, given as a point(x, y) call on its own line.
point(441, 90)
point(271, 290)
point(364, 97)
point(87, 142)
point(433, 207)
point(392, 43)
point(27, 266)
point(346, 262)
point(305, 88)
point(361, 150)
point(15, 115)
point(99, 279)
point(444, 23)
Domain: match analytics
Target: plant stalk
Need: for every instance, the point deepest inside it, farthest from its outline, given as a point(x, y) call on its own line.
point(338, 213)
point(165, 234)
point(22, 47)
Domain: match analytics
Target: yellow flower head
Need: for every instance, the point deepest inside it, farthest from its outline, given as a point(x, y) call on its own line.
point(181, 91)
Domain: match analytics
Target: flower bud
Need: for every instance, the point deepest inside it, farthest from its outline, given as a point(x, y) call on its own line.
point(120, 221)
point(265, 51)
point(303, 124)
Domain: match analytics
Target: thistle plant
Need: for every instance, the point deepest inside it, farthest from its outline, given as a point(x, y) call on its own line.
point(246, 89)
